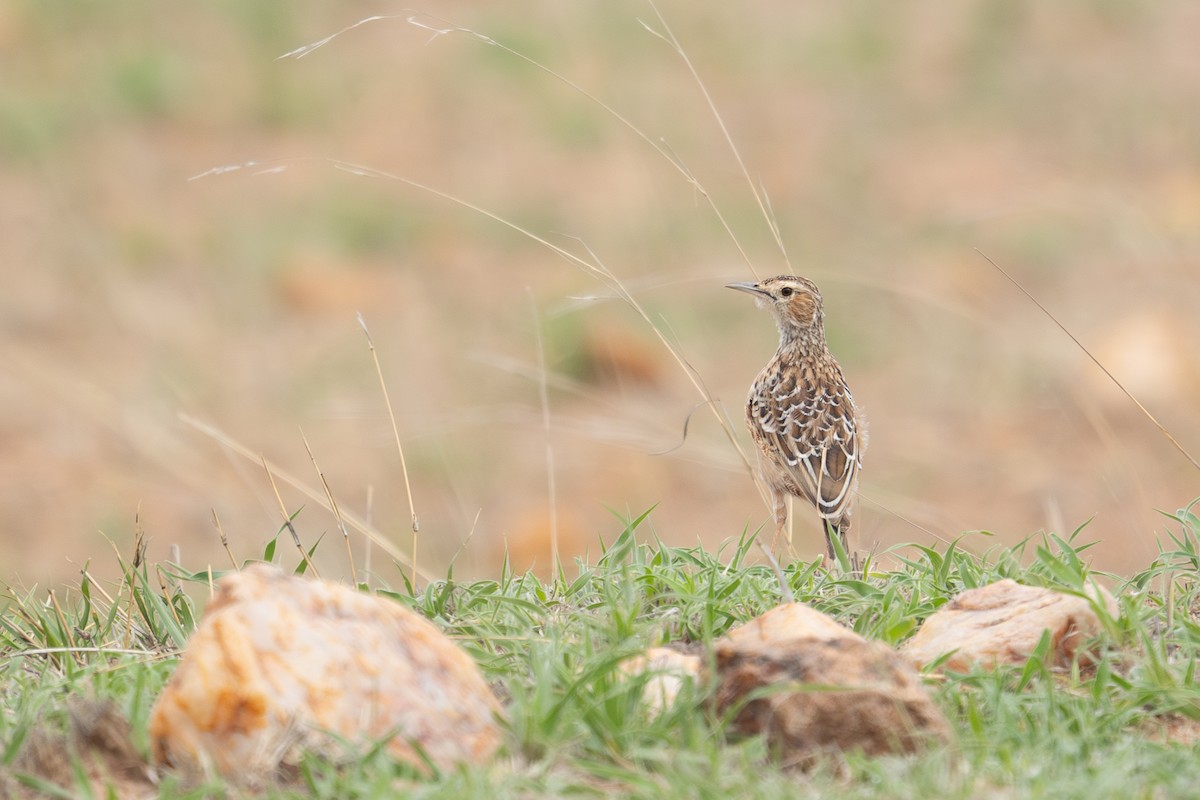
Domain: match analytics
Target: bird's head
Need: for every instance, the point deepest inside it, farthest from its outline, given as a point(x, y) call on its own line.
point(794, 302)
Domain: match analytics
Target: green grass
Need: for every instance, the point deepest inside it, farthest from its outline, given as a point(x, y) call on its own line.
point(575, 728)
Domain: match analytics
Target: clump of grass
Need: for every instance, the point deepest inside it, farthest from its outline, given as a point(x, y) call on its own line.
point(551, 649)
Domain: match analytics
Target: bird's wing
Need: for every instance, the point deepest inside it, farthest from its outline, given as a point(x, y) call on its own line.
point(811, 433)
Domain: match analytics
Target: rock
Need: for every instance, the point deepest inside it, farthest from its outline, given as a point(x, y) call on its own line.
point(790, 621)
point(814, 687)
point(1152, 349)
point(1001, 623)
point(668, 670)
point(615, 356)
point(281, 664)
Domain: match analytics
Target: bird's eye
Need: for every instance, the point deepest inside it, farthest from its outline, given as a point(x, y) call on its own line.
point(786, 291)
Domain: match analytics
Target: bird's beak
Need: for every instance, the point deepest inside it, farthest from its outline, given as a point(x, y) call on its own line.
point(749, 288)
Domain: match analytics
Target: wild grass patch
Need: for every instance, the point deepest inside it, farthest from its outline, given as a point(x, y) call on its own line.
point(1120, 725)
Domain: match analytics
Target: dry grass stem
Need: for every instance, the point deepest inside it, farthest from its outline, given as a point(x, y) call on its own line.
point(352, 520)
point(1094, 360)
point(668, 36)
point(370, 520)
point(658, 146)
point(224, 539)
point(287, 519)
point(333, 504)
point(544, 397)
point(387, 401)
point(462, 547)
point(785, 591)
point(166, 595)
point(62, 620)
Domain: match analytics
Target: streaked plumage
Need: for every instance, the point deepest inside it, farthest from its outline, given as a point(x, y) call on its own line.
point(809, 433)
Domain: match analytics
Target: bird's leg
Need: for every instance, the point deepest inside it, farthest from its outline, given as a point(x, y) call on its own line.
point(842, 532)
point(780, 509)
point(791, 522)
point(830, 532)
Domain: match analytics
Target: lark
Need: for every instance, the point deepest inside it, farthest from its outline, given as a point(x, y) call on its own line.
point(801, 415)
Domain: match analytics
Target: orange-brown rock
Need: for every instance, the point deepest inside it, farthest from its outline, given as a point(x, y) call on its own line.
point(280, 664)
point(814, 687)
point(615, 355)
point(1002, 623)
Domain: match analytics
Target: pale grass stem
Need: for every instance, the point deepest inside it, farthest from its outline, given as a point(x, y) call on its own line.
point(139, 554)
point(1169, 580)
point(594, 268)
point(445, 28)
point(352, 520)
point(287, 520)
point(166, 594)
point(332, 504)
point(22, 612)
point(224, 539)
point(1089, 407)
point(906, 520)
point(87, 576)
point(62, 620)
point(387, 401)
point(785, 591)
point(129, 612)
point(462, 547)
point(117, 552)
point(108, 651)
point(370, 523)
point(1094, 360)
point(139, 538)
point(544, 395)
point(760, 196)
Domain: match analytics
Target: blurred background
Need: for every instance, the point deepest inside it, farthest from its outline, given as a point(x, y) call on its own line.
point(893, 139)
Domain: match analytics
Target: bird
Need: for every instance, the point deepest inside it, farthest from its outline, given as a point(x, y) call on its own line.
point(809, 433)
